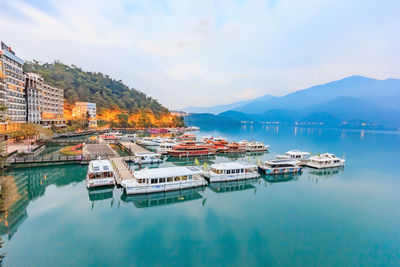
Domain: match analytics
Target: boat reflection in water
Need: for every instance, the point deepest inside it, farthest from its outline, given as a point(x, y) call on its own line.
point(100, 193)
point(279, 178)
point(223, 187)
point(191, 160)
point(164, 198)
point(316, 175)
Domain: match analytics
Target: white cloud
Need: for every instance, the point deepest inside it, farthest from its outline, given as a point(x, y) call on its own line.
point(210, 52)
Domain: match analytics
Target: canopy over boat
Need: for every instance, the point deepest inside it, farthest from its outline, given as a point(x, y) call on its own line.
point(167, 172)
point(96, 166)
point(233, 165)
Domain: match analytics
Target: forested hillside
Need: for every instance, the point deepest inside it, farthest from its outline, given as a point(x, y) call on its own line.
point(94, 87)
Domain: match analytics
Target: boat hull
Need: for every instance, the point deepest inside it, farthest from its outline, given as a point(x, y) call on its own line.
point(92, 183)
point(327, 166)
point(275, 171)
point(231, 177)
point(146, 189)
point(190, 153)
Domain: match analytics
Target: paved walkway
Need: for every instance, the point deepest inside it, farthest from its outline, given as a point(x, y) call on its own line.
point(104, 150)
point(123, 172)
point(134, 148)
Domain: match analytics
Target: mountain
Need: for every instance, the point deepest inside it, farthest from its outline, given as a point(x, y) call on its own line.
point(380, 92)
point(209, 119)
point(338, 112)
point(221, 108)
point(95, 87)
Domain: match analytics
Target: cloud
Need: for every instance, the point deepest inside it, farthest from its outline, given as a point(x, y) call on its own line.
point(210, 52)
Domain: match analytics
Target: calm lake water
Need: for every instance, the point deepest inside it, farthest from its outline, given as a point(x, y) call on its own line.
point(345, 217)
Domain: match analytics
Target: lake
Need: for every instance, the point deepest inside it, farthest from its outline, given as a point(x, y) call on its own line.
point(338, 217)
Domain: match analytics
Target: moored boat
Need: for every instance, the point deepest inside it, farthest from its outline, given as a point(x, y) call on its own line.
point(231, 171)
point(280, 166)
point(186, 137)
point(165, 146)
point(325, 160)
point(164, 179)
point(301, 156)
point(191, 149)
point(100, 173)
point(147, 158)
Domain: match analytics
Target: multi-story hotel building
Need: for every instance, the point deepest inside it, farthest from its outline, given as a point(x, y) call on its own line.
point(53, 106)
point(83, 109)
point(45, 104)
point(34, 97)
point(12, 88)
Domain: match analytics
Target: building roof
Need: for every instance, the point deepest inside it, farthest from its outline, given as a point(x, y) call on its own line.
point(12, 56)
point(282, 161)
point(232, 165)
point(166, 172)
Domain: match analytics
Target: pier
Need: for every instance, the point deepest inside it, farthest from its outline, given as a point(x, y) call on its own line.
point(122, 170)
point(133, 148)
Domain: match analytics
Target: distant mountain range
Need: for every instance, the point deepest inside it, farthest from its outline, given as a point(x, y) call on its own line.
point(352, 102)
point(222, 108)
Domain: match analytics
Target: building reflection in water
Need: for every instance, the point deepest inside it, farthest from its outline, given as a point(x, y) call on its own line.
point(20, 187)
point(164, 198)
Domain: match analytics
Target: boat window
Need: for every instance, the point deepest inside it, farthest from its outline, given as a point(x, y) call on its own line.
point(190, 177)
point(96, 168)
point(184, 178)
point(162, 180)
point(177, 178)
point(170, 179)
point(139, 181)
point(228, 171)
point(153, 181)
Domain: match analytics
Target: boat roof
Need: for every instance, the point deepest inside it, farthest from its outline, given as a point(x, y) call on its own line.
point(232, 165)
point(297, 152)
point(282, 161)
point(167, 172)
point(324, 156)
point(101, 165)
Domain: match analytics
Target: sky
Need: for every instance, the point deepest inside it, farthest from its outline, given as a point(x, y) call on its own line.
point(209, 52)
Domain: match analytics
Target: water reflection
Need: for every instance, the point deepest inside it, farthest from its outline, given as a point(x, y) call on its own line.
point(97, 194)
point(279, 178)
point(316, 175)
point(164, 198)
point(223, 187)
point(20, 187)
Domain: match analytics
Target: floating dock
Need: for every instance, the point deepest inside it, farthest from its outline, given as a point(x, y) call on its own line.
point(122, 170)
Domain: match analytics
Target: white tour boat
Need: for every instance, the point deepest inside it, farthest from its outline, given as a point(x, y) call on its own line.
point(297, 155)
point(164, 147)
point(325, 160)
point(164, 179)
point(100, 173)
point(280, 166)
point(147, 158)
point(147, 141)
point(231, 171)
point(256, 147)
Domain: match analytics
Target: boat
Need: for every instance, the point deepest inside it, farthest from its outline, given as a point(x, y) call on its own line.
point(164, 147)
point(231, 171)
point(111, 136)
point(253, 146)
point(147, 158)
point(186, 137)
point(129, 137)
point(325, 160)
point(164, 179)
point(234, 148)
point(100, 173)
point(147, 141)
point(296, 154)
point(191, 149)
point(256, 147)
point(280, 166)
